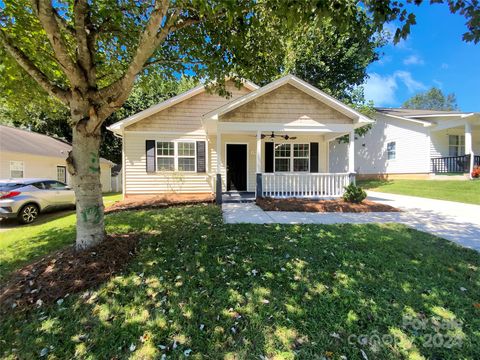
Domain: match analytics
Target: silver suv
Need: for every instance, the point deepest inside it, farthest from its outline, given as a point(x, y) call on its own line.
point(26, 198)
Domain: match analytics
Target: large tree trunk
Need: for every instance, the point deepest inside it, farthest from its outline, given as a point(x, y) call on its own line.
point(84, 166)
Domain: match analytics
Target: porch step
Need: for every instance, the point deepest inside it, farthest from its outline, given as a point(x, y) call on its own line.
point(238, 197)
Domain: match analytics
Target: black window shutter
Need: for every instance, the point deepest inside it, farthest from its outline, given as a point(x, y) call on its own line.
point(313, 157)
point(269, 157)
point(150, 152)
point(201, 157)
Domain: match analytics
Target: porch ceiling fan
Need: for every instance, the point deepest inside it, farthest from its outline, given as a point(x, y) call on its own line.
point(273, 136)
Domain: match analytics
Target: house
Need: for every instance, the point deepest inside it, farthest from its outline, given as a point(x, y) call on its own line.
point(272, 140)
point(422, 144)
point(26, 154)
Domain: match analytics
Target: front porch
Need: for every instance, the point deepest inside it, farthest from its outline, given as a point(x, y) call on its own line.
point(455, 146)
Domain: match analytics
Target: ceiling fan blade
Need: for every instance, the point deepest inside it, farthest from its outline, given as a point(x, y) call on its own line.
point(293, 138)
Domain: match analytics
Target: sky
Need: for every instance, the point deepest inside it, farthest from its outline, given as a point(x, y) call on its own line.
point(433, 55)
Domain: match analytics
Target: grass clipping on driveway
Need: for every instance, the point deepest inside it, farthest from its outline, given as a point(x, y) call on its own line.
point(336, 205)
point(210, 290)
point(66, 272)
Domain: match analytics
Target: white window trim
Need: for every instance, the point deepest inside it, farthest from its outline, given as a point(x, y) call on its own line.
point(175, 156)
point(291, 158)
point(66, 172)
point(395, 151)
point(23, 167)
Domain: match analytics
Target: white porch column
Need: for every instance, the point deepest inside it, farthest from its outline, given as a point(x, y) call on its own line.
point(469, 146)
point(218, 183)
point(258, 168)
point(351, 152)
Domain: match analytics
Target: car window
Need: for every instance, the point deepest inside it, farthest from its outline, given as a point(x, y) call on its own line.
point(39, 185)
point(55, 185)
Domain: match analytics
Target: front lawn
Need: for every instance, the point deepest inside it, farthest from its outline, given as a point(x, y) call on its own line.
point(452, 190)
point(27, 242)
point(207, 290)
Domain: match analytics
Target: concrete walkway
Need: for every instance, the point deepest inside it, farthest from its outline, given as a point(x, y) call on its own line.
point(451, 220)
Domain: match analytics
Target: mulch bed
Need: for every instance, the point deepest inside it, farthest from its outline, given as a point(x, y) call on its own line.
point(337, 205)
point(65, 272)
point(159, 201)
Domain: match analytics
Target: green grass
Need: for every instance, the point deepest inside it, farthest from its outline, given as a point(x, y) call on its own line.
point(261, 291)
point(452, 190)
point(27, 242)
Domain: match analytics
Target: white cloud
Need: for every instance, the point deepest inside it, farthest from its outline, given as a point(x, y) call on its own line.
point(382, 89)
point(413, 60)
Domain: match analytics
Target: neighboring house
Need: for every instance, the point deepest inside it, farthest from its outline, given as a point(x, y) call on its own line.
point(272, 140)
point(26, 154)
point(405, 143)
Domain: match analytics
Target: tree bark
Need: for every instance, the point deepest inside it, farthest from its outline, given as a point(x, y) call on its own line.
point(84, 167)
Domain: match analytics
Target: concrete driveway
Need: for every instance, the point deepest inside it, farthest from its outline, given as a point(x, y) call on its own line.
point(453, 221)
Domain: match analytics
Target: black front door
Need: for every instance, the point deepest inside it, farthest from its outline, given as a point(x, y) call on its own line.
point(236, 167)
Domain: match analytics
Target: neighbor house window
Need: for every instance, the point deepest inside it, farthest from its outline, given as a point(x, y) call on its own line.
point(62, 174)
point(292, 157)
point(16, 169)
point(173, 155)
point(391, 150)
point(456, 145)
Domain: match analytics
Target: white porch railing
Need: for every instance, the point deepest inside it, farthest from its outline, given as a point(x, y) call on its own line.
point(304, 185)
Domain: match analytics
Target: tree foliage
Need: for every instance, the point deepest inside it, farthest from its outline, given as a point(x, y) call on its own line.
point(433, 99)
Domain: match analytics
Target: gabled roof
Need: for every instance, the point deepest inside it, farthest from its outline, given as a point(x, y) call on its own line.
point(424, 117)
point(299, 84)
point(22, 141)
point(120, 125)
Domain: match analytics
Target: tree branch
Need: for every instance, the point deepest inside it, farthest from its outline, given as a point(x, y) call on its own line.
point(85, 40)
point(26, 64)
point(45, 13)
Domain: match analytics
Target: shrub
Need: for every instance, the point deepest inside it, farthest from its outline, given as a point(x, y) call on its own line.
point(476, 172)
point(354, 194)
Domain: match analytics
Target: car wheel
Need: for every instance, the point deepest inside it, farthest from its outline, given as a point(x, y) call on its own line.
point(28, 214)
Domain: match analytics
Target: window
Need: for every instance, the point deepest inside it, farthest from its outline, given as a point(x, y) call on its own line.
point(287, 160)
point(62, 173)
point(165, 156)
point(16, 169)
point(456, 145)
point(186, 156)
point(301, 153)
point(391, 150)
point(282, 157)
point(172, 155)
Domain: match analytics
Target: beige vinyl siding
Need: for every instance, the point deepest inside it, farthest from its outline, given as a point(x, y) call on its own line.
point(286, 104)
point(45, 167)
point(186, 116)
point(138, 181)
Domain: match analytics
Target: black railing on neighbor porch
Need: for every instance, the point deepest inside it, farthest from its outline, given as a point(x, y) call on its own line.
point(453, 164)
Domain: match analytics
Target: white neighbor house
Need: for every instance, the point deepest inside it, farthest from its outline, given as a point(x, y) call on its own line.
point(26, 154)
point(271, 140)
point(406, 143)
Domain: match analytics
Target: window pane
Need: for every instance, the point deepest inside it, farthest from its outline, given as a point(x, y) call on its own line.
point(165, 148)
point(300, 164)
point(300, 150)
point(16, 174)
point(186, 149)
point(165, 164)
point(282, 164)
point(186, 164)
point(453, 140)
point(282, 150)
point(391, 146)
